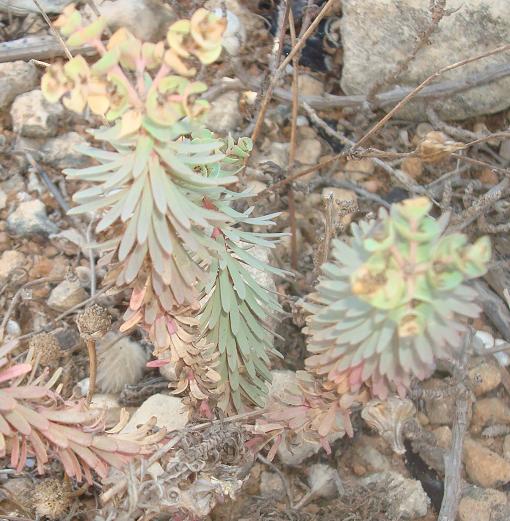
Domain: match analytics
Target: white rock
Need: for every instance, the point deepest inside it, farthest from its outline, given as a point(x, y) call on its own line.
point(13, 329)
point(277, 153)
point(10, 261)
point(30, 218)
point(407, 495)
point(308, 151)
point(483, 340)
point(310, 86)
point(169, 411)
point(377, 35)
point(15, 79)
point(33, 116)
point(224, 115)
point(61, 153)
point(146, 19)
point(66, 295)
point(255, 186)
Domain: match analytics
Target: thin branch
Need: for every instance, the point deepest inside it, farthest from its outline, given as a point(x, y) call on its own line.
point(91, 349)
point(54, 31)
point(282, 477)
point(330, 102)
point(453, 459)
point(422, 85)
point(292, 148)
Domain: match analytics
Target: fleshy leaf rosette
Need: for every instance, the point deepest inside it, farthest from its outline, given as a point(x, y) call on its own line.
point(35, 422)
point(390, 303)
point(161, 187)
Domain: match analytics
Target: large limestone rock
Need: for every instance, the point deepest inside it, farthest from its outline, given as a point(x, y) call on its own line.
point(378, 34)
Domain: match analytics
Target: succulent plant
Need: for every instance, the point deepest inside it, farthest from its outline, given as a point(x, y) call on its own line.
point(306, 410)
point(162, 187)
point(35, 422)
point(391, 302)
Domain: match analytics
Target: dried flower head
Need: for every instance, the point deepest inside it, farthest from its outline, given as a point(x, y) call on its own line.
point(94, 322)
point(388, 417)
point(46, 349)
point(387, 306)
point(52, 498)
point(121, 362)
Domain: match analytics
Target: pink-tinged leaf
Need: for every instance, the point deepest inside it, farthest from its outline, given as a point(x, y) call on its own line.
point(131, 322)
point(35, 419)
point(348, 425)
point(85, 454)
point(14, 451)
point(157, 363)
point(137, 297)
point(70, 463)
point(73, 434)
point(38, 448)
point(56, 438)
point(171, 326)
point(14, 372)
point(23, 455)
point(87, 474)
point(7, 403)
point(105, 443)
point(4, 427)
point(272, 451)
point(205, 410)
point(69, 416)
point(325, 445)
point(113, 459)
point(128, 446)
point(27, 392)
point(328, 421)
point(18, 422)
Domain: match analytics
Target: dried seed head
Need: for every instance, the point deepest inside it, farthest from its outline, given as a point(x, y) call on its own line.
point(94, 322)
point(52, 498)
point(388, 417)
point(46, 348)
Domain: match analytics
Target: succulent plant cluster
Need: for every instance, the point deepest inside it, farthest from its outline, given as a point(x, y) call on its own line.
point(161, 187)
point(36, 423)
point(390, 303)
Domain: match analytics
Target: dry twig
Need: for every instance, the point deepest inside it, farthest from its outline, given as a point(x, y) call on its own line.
point(453, 459)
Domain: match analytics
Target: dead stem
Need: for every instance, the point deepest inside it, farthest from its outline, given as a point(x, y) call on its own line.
point(91, 348)
point(453, 459)
point(54, 31)
point(421, 86)
point(292, 148)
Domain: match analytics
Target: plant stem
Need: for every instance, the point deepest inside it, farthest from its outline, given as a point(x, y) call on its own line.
point(91, 348)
